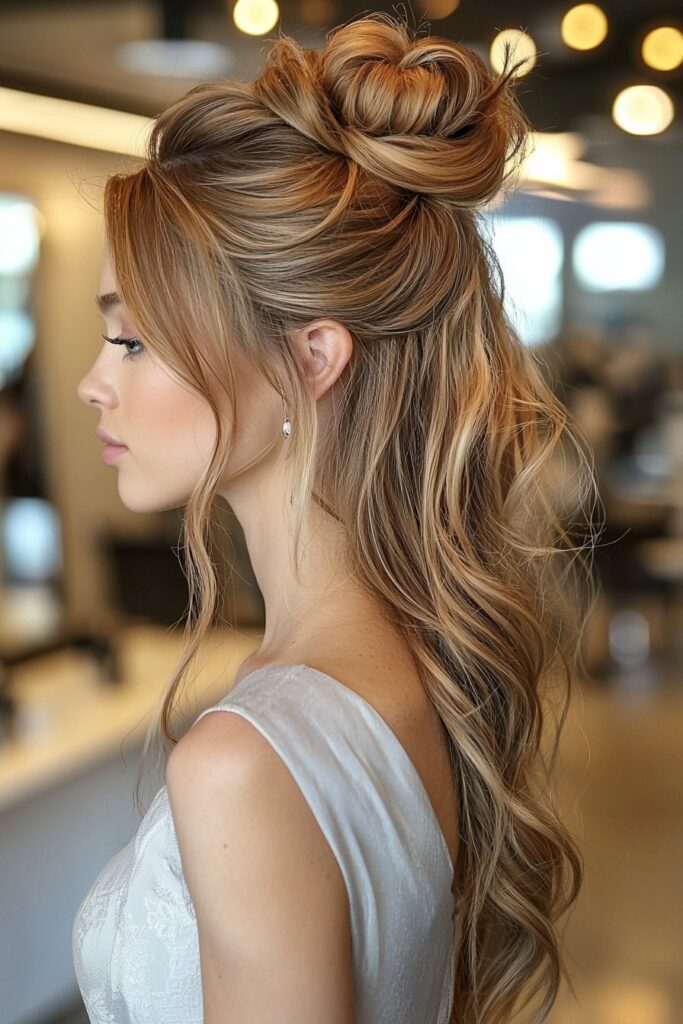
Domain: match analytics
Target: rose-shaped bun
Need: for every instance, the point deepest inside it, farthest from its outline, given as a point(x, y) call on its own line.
point(423, 114)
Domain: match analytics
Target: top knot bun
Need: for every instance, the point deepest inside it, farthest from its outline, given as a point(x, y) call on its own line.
point(424, 115)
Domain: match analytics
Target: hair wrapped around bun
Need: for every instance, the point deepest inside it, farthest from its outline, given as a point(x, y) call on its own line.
point(423, 114)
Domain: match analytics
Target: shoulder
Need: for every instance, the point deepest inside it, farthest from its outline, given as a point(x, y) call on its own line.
point(216, 750)
point(270, 900)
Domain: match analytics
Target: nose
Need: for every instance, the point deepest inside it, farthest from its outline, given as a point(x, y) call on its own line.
point(93, 389)
point(86, 389)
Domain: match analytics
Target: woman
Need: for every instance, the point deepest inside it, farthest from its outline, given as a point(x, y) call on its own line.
point(304, 319)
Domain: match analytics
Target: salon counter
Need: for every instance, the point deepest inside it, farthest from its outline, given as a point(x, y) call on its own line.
point(66, 793)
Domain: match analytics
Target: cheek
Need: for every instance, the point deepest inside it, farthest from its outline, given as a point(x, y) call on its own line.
point(175, 430)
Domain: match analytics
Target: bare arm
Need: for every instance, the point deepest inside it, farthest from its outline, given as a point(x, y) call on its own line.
point(271, 904)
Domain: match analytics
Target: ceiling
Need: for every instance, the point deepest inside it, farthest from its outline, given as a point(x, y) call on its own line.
point(69, 49)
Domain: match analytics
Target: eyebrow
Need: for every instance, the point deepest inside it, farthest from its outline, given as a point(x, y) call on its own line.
point(106, 301)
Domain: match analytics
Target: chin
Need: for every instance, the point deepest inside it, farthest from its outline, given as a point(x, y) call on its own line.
point(148, 503)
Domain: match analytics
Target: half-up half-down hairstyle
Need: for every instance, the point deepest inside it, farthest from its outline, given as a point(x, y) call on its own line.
point(347, 183)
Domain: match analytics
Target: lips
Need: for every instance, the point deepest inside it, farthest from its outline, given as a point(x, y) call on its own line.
point(103, 436)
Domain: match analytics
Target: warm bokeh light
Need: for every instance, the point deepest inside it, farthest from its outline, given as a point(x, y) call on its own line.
point(662, 48)
point(255, 17)
point(438, 8)
point(643, 110)
point(584, 27)
point(552, 166)
point(79, 124)
point(520, 44)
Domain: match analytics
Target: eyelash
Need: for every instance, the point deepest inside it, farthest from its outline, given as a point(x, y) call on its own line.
point(126, 341)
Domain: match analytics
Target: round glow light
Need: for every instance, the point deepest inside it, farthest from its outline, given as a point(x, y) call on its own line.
point(255, 17)
point(662, 48)
point(584, 27)
point(643, 110)
point(520, 45)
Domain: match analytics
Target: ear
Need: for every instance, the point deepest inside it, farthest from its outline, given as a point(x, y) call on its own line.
point(323, 348)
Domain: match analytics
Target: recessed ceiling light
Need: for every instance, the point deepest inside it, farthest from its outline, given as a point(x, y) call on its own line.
point(584, 27)
point(643, 110)
point(255, 17)
point(520, 44)
point(662, 48)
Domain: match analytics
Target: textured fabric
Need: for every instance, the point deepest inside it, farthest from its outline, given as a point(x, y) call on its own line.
point(135, 944)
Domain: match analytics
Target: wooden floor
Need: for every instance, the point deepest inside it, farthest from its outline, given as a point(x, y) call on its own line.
point(622, 777)
point(623, 759)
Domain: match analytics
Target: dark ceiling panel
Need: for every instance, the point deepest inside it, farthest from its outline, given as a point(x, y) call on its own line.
point(564, 87)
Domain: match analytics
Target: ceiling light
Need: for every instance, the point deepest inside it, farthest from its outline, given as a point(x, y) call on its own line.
point(255, 17)
point(662, 48)
point(643, 110)
point(584, 27)
point(80, 124)
point(520, 44)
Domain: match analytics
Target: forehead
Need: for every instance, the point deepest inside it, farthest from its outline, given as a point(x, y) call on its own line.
point(107, 278)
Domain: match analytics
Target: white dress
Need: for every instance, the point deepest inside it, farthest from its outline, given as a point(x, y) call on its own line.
point(135, 945)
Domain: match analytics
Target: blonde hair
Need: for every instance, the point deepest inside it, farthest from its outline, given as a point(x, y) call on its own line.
point(346, 183)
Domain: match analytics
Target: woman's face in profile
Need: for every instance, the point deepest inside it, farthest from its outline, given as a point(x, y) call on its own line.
point(168, 430)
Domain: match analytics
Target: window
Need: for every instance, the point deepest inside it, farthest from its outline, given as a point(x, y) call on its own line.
point(531, 252)
point(611, 256)
point(19, 244)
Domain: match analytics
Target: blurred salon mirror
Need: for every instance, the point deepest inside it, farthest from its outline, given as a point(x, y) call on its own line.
point(31, 598)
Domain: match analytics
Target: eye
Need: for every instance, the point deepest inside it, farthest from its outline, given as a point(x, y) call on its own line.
point(126, 341)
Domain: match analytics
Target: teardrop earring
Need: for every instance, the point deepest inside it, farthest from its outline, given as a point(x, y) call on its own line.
point(286, 426)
